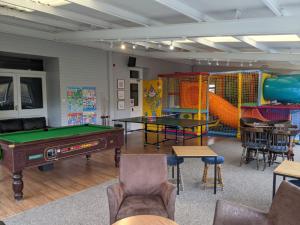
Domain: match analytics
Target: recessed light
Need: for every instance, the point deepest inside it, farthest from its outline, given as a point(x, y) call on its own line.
point(275, 38)
point(222, 39)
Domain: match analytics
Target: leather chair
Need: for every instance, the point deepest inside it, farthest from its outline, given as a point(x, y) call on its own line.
point(284, 210)
point(143, 188)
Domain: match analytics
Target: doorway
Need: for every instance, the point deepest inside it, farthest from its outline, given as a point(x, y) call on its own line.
point(136, 95)
point(22, 94)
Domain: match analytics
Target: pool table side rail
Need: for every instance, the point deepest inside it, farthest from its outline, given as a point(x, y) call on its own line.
point(14, 155)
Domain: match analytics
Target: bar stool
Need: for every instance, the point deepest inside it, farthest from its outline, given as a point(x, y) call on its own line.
point(172, 161)
point(211, 161)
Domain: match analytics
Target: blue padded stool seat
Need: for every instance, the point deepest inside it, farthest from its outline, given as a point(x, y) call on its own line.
point(295, 182)
point(211, 160)
point(173, 159)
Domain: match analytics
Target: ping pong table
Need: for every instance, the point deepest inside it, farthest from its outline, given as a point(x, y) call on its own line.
point(167, 122)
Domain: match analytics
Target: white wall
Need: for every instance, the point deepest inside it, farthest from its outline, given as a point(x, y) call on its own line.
point(151, 68)
point(72, 65)
point(77, 66)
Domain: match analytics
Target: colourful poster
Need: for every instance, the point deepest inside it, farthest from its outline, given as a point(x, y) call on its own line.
point(75, 118)
point(89, 99)
point(74, 99)
point(82, 105)
point(89, 117)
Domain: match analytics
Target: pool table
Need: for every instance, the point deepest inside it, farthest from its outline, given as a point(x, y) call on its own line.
point(40, 147)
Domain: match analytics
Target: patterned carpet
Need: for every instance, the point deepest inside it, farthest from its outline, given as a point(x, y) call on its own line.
point(194, 206)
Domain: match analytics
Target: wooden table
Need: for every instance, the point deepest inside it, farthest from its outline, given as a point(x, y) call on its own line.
point(286, 169)
point(195, 152)
point(145, 220)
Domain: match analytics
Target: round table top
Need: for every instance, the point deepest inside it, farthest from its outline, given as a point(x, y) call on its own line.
point(145, 220)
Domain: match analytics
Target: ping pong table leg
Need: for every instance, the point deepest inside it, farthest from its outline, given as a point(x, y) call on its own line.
point(146, 134)
point(183, 136)
point(125, 132)
point(157, 137)
point(201, 139)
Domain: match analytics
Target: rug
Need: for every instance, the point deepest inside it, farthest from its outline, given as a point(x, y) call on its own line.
point(194, 206)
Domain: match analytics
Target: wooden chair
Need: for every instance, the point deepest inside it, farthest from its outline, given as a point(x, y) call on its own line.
point(254, 140)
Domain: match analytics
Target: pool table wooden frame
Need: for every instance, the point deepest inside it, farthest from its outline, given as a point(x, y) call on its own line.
point(16, 155)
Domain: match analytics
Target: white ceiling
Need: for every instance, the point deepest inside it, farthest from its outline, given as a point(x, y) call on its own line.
point(151, 25)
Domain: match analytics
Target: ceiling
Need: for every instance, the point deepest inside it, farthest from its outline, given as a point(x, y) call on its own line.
point(215, 32)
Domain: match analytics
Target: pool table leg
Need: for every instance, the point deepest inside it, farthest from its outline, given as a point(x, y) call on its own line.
point(117, 156)
point(18, 185)
point(88, 156)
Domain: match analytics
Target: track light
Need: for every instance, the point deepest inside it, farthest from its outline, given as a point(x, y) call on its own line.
point(250, 64)
point(208, 62)
point(242, 64)
point(217, 63)
point(159, 46)
point(134, 46)
point(227, 64)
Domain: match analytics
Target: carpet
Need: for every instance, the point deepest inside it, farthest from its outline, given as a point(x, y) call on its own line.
point(194, 206)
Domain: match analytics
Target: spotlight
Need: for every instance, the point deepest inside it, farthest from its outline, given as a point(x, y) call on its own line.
point(123, 46)
point(172, 46)
point(242, 64)
point(134, 46)
point(250, 64)
point(217, 63)
point(208, 62)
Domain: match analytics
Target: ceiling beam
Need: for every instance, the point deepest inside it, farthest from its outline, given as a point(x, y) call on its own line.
point(214, 45)
point(117, 12)
point(224, 56)
point(256, 44)
point(274, 7)
point(54, 11)
point(185, 9)
point(37, 19)
point(11, 29)
point(189, 12)
point(255, 26)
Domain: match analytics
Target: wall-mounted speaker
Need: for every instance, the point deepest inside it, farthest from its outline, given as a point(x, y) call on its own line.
point(131, 61)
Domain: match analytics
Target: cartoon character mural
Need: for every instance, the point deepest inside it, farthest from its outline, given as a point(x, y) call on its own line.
point(152, 97)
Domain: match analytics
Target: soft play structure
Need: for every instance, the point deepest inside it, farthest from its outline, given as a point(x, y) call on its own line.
point(228, 96)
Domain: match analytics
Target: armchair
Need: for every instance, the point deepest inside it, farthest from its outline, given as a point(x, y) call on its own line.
point(284, 210)
point(143, 188)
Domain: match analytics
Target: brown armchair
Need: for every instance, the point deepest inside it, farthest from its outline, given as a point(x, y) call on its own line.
point(284, 210)
point(143, 188)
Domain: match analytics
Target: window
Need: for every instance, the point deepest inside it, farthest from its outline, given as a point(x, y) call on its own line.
point(31, 93)
point(6, 93)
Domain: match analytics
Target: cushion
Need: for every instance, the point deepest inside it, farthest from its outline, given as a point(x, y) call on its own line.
point(211, 160)
point(173, 159)
point(34, 123)
point(143, 174)
point(142, 205)
point(11, 125)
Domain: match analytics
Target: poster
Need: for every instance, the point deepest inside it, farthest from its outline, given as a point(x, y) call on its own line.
point(82, 105)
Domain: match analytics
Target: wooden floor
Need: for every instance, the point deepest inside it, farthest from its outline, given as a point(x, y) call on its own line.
point(68, 177)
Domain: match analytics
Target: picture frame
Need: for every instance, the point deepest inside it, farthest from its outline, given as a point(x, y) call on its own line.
point(121, 94)
point(120, 84)
point(121, 105)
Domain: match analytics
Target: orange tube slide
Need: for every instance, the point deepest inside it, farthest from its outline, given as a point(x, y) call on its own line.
point(224, 110)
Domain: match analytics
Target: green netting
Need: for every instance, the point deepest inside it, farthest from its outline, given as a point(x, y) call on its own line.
point(35, 135)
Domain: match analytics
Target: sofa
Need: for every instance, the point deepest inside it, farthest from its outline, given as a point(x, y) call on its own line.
point(22, 124)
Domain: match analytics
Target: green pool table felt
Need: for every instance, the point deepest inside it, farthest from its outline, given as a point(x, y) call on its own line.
point(36, 135)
